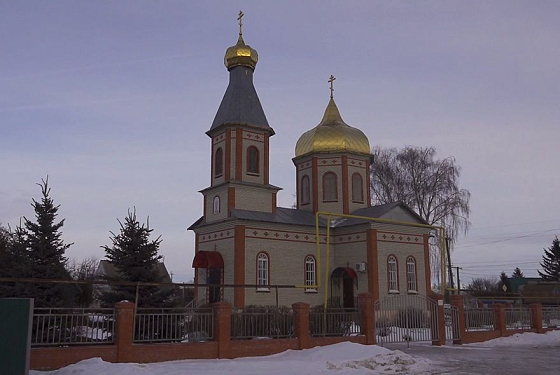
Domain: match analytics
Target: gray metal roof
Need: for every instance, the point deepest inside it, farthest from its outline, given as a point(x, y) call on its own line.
point(301, 217)
point(241, 104)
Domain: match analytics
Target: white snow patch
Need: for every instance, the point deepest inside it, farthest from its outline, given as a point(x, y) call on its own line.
point(340, 359)
point(551, 338)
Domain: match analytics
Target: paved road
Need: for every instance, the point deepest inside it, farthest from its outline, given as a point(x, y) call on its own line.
point(460, 360)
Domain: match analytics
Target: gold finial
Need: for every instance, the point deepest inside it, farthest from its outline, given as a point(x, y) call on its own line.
point(331, 81)
point(240, 19)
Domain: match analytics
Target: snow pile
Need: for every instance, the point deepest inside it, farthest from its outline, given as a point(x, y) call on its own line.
point(340, 359)
point(551, 338)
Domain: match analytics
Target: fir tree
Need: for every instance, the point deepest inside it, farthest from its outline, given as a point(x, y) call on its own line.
point(517, 274)
point(551, 262)
point(135, 258)
point(44, 250)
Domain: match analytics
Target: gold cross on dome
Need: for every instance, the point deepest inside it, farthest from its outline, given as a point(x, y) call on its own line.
point(331, 80)
point(240, 19)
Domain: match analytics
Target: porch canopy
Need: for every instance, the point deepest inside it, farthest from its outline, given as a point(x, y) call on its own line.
point(345, 272)
point(208, 259)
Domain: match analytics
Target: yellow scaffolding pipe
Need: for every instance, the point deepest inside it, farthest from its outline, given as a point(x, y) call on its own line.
point(377, 220)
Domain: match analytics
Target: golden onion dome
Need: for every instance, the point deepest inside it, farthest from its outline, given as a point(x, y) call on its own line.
point(332, 135)
point(241, 54)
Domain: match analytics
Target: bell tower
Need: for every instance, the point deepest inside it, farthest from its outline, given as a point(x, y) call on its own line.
point(332, 163)
point(239, 136)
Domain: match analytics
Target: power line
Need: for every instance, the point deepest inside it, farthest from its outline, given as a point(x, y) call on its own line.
point(513, 225)
point(507, 239)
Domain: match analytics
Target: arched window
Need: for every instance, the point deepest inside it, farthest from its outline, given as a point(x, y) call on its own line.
point(262, 271)
point(411, 274)
point(219, 162)
point(305, 196)
point(216, 204)
point(310, 272)
point(252, 160)
point(330, 189)
point(357, 188)
point(392, 274)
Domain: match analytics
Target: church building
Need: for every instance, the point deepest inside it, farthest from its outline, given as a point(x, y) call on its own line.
point(243, 238)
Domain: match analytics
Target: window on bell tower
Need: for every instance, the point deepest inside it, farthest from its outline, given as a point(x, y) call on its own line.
point(219, 162)
point(357, 188)
point(305, 195)
point(330, 188)
point(252, 160)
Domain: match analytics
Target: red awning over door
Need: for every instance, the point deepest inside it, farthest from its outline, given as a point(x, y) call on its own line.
point(208, 259)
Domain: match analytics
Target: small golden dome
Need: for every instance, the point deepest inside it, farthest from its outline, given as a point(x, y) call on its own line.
point(332, 135)
point(241, 54)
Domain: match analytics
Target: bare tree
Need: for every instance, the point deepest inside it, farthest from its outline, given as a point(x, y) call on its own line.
point(427, 185)
point(83, 269)
point(484, 284)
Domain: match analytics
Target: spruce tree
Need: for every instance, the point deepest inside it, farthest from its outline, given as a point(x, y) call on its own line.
point(551, 262)
point(135, 259)
point(44, 254)
point(517, 274)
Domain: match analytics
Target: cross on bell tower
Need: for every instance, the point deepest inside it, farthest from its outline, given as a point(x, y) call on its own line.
point(331, 81)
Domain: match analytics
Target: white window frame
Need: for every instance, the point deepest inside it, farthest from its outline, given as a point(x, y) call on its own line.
point(263, 278)
point(310, 273)
point(411, 275)
point(393, 274)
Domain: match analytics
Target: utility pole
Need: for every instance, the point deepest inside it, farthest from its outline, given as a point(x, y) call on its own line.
point(449, 262)
point(458, 280)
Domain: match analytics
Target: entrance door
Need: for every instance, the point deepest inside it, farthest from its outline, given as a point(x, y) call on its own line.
point(214, 277)
point(348, 293)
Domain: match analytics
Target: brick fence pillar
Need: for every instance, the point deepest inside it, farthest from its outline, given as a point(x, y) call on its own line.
point(536, 317)
point(440, 322)
point(301, 324)
point(459, 302)
point(124, 330)
point(500, 313)
point(222, 328)
point(367, 312)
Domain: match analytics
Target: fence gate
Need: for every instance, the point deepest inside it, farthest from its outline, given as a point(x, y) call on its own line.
point(406, 318)
point(452, 331)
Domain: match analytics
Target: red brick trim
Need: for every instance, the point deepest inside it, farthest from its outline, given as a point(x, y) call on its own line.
point(266, 159)
point(239, 154)
point(227, 164)
point(239, 266)
point(368, 184)
point(205, 214)
point(231, 200)
point(274, 204)
point(345, 196)
point(427, 271)
point(315, 179)
point(372, 263)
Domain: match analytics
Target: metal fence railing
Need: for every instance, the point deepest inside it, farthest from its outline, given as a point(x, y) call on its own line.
point(173, 325)
point(452, 328)
point(518, 318)
point(480, 319)
point(334, 322)
point(262, 322)
point(550, 316)
point(68, 326)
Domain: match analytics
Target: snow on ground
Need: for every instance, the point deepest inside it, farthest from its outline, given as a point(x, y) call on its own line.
point(343, 358)
point(551, 338)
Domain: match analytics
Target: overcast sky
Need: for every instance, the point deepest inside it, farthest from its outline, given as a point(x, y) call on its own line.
point(112, 99)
